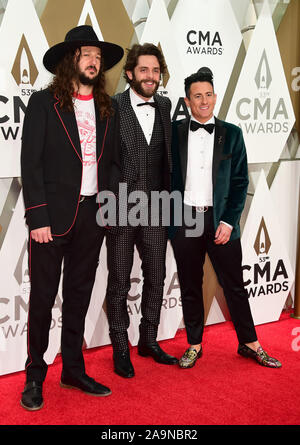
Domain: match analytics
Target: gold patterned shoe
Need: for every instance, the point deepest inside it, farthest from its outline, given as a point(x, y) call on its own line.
point(260, 356)
point(190, 357)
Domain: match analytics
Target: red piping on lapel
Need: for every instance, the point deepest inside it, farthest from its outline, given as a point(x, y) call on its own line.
point(102, 148)
point(100, 156)
point(67, 231)
point(62, 122)
point(104, 137)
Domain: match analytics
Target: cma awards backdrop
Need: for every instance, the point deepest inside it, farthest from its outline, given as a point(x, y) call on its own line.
point(239, 41)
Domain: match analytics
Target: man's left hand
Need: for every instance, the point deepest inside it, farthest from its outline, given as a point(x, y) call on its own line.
point(223, 233)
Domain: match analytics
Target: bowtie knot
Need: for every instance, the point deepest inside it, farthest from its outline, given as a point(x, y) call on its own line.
point(152, 104)
point(196, 125)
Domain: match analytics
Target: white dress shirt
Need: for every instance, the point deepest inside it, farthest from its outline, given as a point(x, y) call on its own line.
point(144, 114)
point(198, 185)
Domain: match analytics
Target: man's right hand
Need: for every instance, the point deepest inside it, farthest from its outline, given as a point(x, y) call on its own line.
point(41, 235)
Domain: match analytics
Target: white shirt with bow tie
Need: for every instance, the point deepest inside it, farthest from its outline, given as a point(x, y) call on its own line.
point(198, 185)
point(145, 114)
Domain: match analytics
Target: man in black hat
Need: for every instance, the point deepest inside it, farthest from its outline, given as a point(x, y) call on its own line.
point(70, 152)
point(210, 170)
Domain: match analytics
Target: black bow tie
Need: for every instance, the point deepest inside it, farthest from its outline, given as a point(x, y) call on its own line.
point(208, 127)
point(152, 104)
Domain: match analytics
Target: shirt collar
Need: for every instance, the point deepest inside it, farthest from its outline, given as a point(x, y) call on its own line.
point(83, 97)
point(210, 121)
point(135, 99)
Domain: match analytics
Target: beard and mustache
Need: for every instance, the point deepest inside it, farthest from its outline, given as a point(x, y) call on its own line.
point(137, 85)
point(86, 80)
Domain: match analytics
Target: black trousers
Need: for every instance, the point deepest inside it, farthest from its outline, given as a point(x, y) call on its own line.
point(78, 250)
point(151, 243)
point(226, 259)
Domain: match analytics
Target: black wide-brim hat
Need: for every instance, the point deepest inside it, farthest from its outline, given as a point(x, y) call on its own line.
point(83, 35)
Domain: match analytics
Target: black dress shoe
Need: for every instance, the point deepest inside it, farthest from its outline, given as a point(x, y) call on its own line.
point(32, 398)
point(260, 356)
point(154, 350)
point(122, 364)
point(84, 383)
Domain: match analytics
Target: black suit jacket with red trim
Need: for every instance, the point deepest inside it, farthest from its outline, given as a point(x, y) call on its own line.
point(51, 161)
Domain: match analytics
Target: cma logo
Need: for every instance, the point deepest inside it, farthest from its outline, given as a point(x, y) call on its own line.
point(266, 276)
point(264, 113)
point(204, 43)
point(199, 38)
point(25, 73)
point(263, 77)
point(24, 69)
point(262, 242)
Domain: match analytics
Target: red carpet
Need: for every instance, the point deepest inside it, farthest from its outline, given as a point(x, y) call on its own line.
point(222, 389)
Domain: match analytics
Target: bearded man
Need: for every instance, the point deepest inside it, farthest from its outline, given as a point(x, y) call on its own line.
point(70, 152)
point(145, 127)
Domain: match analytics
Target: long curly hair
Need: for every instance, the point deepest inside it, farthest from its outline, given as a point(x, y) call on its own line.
point(63, 85)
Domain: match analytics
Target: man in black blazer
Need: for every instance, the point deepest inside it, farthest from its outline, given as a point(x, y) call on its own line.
point(210, 171)
point(70, 152)
point(146, 165)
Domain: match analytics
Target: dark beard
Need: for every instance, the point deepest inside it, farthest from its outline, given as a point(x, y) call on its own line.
point(137, 86)
point(85, 80)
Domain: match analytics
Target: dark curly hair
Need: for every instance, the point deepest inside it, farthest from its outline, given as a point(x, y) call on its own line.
point(65, 79)
point(204, 74)
point(147, 49)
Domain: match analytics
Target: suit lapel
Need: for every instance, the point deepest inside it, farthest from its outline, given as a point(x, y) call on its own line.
point(183, 134)
point(68, 121)
point(219, 140)
point(101, 129)
point(165, 117)
point(127, 124)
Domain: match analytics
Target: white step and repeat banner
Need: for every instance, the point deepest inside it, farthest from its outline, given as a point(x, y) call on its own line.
point(252, 92)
